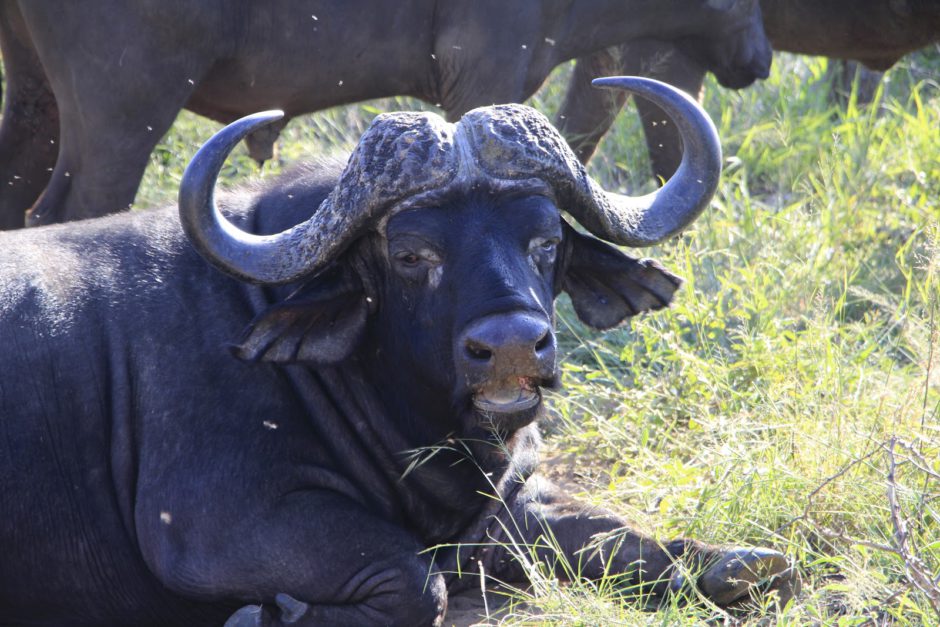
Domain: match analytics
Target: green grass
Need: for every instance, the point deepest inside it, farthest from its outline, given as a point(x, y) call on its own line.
point(768, 405)
point(796, 369)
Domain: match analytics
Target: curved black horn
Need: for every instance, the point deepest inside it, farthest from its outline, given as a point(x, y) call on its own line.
point(650, 219)
point(399, 155)
point(268, 259)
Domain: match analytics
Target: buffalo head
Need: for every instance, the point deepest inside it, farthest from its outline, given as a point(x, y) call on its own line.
point(441, 249)
point(737, 52)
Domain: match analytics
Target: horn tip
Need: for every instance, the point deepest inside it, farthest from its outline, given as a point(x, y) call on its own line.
point(267, 116)
point(622, 81)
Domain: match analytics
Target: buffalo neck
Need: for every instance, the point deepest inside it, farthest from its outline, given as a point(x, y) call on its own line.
point(421, 410)
point(428, 474)
point(431, 423)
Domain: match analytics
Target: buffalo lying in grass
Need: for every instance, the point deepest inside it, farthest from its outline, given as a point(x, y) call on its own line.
point(82, 117)
point(396, 323)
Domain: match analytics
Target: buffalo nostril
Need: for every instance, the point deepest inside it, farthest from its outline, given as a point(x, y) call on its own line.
point(478, 352)
point(506, 346)
point(543, 343)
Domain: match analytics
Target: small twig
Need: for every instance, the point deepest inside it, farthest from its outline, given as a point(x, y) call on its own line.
point(832, 534)
point(888, 600)
point(918, 460)
point(812, 495)
point(931, 328)
point(918, 573)
point(900, 525)
point(916, 569)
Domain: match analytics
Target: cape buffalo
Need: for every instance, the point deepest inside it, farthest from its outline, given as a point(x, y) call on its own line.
point(876, 32)
point(359, 383)
point(118, 73)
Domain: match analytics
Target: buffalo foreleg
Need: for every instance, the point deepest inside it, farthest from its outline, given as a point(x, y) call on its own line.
point(311, 557)
point(29, 132)
point(575, 539)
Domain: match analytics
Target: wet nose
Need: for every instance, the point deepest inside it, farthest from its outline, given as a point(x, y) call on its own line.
point(503, 346)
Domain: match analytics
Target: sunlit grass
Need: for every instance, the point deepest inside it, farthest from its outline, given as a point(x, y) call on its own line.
point(796, 368)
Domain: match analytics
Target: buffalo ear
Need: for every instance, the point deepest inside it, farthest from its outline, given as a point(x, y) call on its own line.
point(607, 286)
point(321, 323)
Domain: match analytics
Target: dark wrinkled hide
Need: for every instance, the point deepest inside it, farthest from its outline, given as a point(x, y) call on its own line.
point(875, 32)
point(130, 67)
point(149, 477)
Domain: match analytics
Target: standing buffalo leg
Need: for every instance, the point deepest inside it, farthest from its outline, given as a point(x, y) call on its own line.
point(679, 70)
point(29, 140)
point(106, 133)
point(588, 113)
point(842, 75)
point(105, 148)
point(97, 172)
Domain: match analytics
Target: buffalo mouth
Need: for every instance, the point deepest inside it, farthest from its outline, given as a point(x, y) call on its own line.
point(738, 79)
point(505, 398)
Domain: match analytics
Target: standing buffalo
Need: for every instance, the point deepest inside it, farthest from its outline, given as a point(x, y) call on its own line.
point(395, 324)
point(92, 86)
point(876, 32)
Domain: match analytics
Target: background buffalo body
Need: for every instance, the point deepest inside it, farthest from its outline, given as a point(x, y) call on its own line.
point(876, 33)
point(80, 121)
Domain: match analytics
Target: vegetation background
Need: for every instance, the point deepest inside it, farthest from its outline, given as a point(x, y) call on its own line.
point(790, 396)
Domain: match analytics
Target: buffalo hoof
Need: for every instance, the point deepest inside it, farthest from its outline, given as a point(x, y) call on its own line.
point(249, 616)
point(736, 577)
point(290, 612)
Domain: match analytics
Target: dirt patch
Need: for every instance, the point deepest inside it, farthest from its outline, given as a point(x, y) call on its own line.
point(469, 609)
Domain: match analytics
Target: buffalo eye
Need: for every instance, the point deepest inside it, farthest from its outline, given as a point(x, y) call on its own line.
point(409, 259)
point(549, 245)
point(542, 254)
point(542, 251)
point(413, 263)
point(414, 258)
